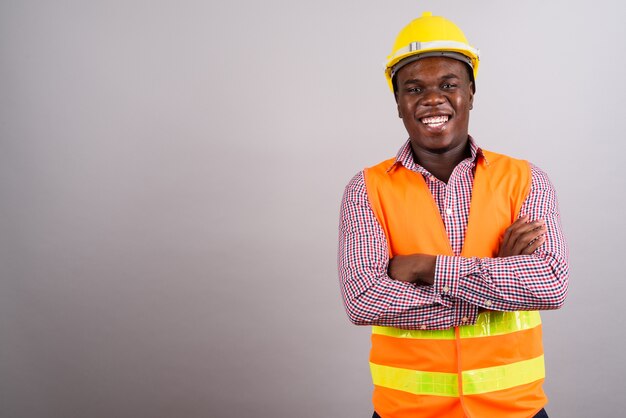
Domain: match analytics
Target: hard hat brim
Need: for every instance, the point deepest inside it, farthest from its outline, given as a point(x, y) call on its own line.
point(446, 54)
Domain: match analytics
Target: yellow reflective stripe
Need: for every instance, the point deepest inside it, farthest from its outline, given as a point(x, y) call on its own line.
point(495, 378)
point(478, 381)
point(487, 324)
point(493, 323)
point(435, 334)
point(415, 381)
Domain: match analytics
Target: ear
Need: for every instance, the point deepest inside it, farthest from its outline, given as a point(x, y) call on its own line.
point(471, 101)
point(395, 95)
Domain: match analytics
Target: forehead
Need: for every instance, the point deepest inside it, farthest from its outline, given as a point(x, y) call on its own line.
point(433, 67)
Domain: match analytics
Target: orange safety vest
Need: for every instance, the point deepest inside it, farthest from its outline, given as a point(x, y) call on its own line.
point(493, 368)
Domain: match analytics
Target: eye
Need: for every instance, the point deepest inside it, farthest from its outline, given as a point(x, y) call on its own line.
point(416, 90)
point(448, 86)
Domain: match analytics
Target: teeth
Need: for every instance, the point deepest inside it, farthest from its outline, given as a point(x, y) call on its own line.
point(435, 120)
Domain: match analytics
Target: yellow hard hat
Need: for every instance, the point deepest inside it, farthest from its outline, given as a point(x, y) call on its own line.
point(429, 36)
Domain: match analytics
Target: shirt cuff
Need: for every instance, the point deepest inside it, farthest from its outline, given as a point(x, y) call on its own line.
point(450, 272)
point(446, 280)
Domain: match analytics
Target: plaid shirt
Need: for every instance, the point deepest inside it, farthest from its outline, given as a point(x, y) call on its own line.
point(462, 286)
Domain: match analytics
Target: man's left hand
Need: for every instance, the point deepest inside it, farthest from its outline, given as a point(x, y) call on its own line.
point(413, 268)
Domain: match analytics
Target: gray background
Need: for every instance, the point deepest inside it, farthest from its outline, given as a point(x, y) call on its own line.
point(170, 179)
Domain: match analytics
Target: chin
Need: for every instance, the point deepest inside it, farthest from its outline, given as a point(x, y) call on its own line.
point(435, 145)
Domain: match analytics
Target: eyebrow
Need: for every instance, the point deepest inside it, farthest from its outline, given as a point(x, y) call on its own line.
point(444, 77)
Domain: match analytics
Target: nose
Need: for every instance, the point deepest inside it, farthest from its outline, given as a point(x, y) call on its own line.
point(432, 98)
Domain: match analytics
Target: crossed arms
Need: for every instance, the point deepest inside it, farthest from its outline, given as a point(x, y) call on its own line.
point(436, 292)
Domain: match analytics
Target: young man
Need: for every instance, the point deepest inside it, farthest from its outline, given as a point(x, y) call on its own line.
point(449, 250)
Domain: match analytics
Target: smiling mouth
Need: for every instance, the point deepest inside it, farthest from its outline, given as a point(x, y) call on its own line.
point(435, 121)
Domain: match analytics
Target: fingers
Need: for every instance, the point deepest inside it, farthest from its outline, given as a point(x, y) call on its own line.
point(518, 223)
point(534, 244)
point(523, 234)
point(522, 237)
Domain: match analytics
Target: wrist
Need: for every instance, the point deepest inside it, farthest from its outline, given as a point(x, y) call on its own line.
point(425, 268)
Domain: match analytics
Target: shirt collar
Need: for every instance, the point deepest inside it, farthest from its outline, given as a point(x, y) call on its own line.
point(405, 156)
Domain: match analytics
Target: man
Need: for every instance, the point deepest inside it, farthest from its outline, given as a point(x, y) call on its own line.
point(449, 250)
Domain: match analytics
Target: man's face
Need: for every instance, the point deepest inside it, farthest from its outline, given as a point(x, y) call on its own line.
point(434, 98)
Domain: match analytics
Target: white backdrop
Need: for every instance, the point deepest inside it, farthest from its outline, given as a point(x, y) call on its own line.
point(170, 178)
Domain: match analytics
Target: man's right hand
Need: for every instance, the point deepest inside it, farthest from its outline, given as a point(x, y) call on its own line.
point(523, 237)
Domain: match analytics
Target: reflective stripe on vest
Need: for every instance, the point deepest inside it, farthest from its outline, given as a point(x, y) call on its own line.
point(475, 382)
point(497, 323)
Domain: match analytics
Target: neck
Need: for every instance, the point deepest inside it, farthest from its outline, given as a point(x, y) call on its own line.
point(441, 164)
